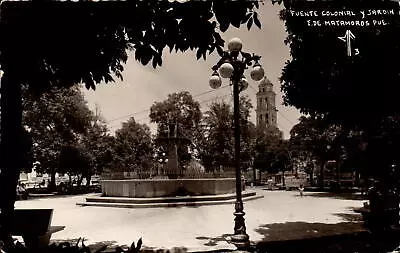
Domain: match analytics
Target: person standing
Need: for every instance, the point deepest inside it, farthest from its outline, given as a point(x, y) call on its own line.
point(301, 190)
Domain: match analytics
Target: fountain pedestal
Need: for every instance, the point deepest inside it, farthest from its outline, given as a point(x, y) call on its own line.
point(173, 170)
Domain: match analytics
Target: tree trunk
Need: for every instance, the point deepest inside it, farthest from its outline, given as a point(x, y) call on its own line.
point(366, 183)
point(311, 177)
point(283, 178)
point(339, 174)
point(10, 151)
point(52, 186)
point(321, 175)
point(254, 176)
point(79, 181)
point(88, 179)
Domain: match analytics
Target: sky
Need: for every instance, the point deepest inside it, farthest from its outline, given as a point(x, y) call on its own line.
point(143, 85)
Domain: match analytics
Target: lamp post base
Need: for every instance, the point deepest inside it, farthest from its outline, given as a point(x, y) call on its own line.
point(240, 239)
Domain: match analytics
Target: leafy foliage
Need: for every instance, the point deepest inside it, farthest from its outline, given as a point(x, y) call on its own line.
point(177, 116)
point(352, 97)
point(67, 137)
point(380, 145)
point(72, 161)
point(59, 44)
point(133, 148)
point(266, 148)
point(216, 143)
point(282, 160)
point(314, 135)
point(97, 148)
point(313, 138)
point(216, 147)
point(247, 131)
point(67, 247)
point(92, 46)
point(321, 80)
point(57, 119)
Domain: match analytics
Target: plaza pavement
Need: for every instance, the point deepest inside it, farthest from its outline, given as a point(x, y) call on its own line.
point(193, 228)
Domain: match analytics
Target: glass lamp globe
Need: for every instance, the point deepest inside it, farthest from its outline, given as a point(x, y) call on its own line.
point(226, 70)
point(235, 44)
point(257, 73)
point(243, 84)
point(215, 81)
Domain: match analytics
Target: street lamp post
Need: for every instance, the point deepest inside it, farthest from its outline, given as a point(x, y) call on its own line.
point(232, 65)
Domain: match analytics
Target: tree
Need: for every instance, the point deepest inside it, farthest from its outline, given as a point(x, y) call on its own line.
point(177, 117)
point(96, 146)
point(217, 145)
point(316, 138)
point(247, 131)
point(48, 56)
point(380, 151)
point(57, 119)
point(281, 159)
point(133, 148)
point(327, 82)
point(343, 90)
point(73, 162)
point(89, 48)
point(303, 157)
point(265, 148)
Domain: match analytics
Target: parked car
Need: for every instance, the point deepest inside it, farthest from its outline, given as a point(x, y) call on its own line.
point(95, 180)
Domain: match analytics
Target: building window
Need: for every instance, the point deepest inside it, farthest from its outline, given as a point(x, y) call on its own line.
point(260, 118)
point(263, 89)
point(260, 101)
point(266, 118)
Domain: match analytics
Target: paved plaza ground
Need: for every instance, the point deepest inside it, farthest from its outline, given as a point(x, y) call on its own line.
point(194, 228)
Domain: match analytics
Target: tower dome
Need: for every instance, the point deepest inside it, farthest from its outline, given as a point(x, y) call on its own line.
point(266, 83)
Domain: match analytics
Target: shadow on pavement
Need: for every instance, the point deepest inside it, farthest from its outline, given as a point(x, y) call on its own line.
point(350, 217)
point(111, 245)
point(345, 196)
point(303, 230)
point(213, 241)
point(173, 250)
point(323, 238)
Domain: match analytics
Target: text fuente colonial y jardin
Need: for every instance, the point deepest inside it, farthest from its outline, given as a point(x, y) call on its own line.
point(369, 17)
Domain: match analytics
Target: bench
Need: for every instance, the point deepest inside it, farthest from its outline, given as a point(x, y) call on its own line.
point(34, 225)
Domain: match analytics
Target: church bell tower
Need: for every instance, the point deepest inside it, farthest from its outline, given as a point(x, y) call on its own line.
point(266, 111)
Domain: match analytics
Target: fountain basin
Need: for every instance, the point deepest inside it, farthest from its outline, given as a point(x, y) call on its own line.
point(149, 188)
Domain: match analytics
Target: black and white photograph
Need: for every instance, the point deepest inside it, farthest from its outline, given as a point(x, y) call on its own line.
point(176, 126)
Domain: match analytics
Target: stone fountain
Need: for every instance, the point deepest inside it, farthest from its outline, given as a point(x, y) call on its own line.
point(173, 191)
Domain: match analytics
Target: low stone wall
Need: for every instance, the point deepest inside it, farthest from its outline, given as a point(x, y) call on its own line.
point(148, 188)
